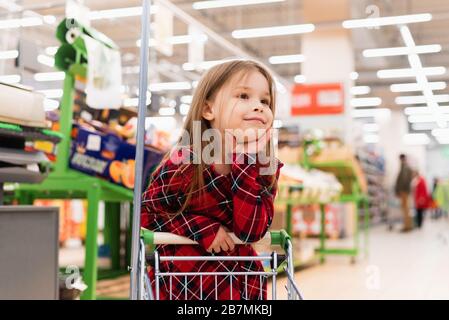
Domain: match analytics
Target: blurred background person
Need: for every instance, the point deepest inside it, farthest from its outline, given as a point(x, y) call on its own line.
point(402, 190)
point(421, 197)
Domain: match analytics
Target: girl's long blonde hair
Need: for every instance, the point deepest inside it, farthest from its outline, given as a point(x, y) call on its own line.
point(208, 87)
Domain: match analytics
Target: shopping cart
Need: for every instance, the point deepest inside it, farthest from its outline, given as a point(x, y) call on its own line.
point(277, 262)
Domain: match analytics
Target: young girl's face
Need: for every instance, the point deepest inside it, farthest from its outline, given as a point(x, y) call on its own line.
point(243, 103)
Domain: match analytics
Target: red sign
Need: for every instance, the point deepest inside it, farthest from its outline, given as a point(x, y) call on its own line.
point(317, 99)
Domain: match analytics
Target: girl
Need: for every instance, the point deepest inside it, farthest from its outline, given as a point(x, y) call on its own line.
point(194, 197)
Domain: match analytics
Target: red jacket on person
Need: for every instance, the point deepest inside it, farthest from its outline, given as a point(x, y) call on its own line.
point(241, 201)
point(420, 195)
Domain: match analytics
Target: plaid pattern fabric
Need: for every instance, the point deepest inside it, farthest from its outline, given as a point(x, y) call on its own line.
point(242, 201)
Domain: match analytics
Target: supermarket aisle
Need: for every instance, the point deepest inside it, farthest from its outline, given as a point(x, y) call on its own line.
point(400, 266)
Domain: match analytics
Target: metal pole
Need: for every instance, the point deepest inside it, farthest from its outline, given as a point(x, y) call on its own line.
point(143, 79)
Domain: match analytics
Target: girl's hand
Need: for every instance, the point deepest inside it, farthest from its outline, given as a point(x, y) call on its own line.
point(222, 242)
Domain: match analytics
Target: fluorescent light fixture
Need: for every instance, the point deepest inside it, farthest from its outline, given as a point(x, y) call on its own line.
point(131, 102)
point(397, 51)
point(119, 13)
point(185, 39)
point(371, 127)
point(10, 54)
point(299, 78)
point(386, 21)
point(49, 76)
point(360, 90)
point(151, 42)
point(424, 126)
point(202, 5)
point(50, 105)
point(52, 93)
point(10, 6)
point(186, 99)
point(23, 22)
point(409, 72)
point(184, 108)
point(366, 102)
point(272, 31)
point(371, 112)
point(371, 138)
point(416, 139)
point(205, 65)
point(46, 60)
point(422, 118)
point(442, 140)
point(49, 19)
point(421, 99)
point(51, 51)
point(277, 124)
point(131, 69)
point(167, 111)
point(291, 58)
point(162, 86)
point(440, 132)
point(354, 75)
point(424, 110)
point(12, 78)
point(406, 87)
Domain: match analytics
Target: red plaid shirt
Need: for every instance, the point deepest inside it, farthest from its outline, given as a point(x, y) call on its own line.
point(242, 201)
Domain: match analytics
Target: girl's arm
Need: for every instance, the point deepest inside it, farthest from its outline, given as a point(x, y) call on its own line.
point(252, 198)
point(164, 197)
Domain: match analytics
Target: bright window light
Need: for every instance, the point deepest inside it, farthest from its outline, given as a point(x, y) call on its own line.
point(201, 5)
point(272, 31)
point(407, 87)
point(385, 21)
point(291, 58)
point(49, 19)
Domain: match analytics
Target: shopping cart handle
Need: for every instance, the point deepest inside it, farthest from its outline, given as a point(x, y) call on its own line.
point(153, 238)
